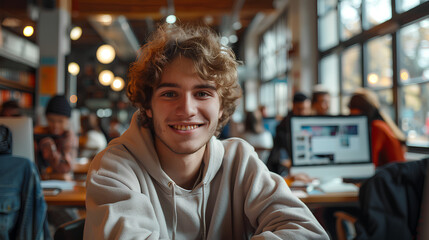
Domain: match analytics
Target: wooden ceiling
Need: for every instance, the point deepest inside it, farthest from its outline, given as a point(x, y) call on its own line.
point(143, 14)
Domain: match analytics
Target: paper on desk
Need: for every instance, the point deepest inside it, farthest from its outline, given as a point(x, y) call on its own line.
point(299, 193)
point(337, 185)
point(60, 184)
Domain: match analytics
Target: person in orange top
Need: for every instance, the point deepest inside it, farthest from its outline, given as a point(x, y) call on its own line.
point(387, 140)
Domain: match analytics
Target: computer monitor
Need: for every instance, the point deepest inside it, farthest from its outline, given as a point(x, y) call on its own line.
point(327, 147)
point(22, 135)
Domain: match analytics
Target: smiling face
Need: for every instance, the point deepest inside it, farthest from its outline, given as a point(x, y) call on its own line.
point(321, 105)
point(57, 124)
point(184, 108)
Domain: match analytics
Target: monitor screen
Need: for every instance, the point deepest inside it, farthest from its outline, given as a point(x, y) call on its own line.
point(331, 146)
point(22, 135)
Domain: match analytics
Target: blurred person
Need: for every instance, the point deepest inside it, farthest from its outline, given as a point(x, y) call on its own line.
point(10, 108)
point(255, 134)
point(92, 140)
point(278, 159)
point(387, 140)
point(115, 129)
point(320, 101)
point(56, 145)
point(263, 110)
point(168, 176)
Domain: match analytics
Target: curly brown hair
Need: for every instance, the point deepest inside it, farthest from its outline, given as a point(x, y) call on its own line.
point(213, 62)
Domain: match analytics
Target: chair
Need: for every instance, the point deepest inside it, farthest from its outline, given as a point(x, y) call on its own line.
point(72, 230)
point(390, 204)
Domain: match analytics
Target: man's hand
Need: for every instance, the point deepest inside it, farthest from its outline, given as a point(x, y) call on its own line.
point(47, 147)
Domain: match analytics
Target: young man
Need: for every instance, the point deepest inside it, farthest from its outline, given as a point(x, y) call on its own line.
point(320, 101)
point(167, 176)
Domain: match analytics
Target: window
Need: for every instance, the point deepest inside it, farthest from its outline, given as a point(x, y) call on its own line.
point(379, 62)
point(384, 49)
point(329, 78)
point(376, 12)
point(405, 5)
point(328, 36)
point(351, 69)
point(414, 78)
point(350, 11)
point(273, 50)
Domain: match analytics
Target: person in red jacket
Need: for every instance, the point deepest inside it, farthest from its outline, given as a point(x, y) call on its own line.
point(387, 140)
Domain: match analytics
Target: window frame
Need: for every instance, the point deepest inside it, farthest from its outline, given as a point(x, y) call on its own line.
point(390, 27)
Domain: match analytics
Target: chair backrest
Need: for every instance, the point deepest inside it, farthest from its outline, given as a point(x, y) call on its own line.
point(391, 201)
point(72, 230)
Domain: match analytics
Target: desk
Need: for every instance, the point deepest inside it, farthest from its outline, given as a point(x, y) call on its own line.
point(331, 199)
point(75, 197)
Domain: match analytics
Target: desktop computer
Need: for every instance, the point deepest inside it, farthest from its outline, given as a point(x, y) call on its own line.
point(22, 135)
point(329, 147)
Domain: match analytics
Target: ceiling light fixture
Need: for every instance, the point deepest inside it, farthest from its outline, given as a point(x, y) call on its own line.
point(117, 84)
point(73, 68)
point(105, 19)
point(76, 33)
point(105, 77)
point(28, 31)
point(171, 19)
point(105, 54)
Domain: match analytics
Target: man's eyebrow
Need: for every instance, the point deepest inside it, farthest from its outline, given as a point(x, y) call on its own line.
point(174, 85)
point(162, 85)
point(205, 86)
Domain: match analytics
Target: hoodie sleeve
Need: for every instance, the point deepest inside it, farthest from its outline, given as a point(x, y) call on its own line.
point(271, 208)
point(116, 208)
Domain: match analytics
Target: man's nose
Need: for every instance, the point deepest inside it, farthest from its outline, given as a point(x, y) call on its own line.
point(187, 105)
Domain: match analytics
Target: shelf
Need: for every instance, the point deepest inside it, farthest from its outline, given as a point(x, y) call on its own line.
point(18, 49)
point(15, 85)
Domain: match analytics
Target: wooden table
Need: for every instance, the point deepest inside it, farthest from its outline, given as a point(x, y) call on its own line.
point(75, 197)
point(331, 199)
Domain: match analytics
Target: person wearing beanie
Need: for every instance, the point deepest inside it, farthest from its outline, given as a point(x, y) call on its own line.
point(56, 145)
point(387, 140)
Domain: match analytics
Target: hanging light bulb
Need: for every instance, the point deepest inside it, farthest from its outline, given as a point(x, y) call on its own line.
point(171, 19)
point(75, 33)
point(105, 54)
point(73, 68)
point(117, 84)
point(28, 31)
point(106, 77)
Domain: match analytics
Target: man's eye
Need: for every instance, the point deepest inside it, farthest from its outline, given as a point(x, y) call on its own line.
point(168, 94)
point(203, 94)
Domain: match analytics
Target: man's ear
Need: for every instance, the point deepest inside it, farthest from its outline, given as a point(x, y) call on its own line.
point(220, 113)
point(149, 113)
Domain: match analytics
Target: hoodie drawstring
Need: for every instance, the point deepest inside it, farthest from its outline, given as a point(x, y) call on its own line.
point(203, 214)
point(172, 185)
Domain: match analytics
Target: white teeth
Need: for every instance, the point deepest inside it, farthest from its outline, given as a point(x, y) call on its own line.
point(185, 127)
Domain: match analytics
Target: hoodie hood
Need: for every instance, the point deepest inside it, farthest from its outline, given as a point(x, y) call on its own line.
point(138, 141)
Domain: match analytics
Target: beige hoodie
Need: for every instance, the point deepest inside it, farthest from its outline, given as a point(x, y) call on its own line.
point(129, 196)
